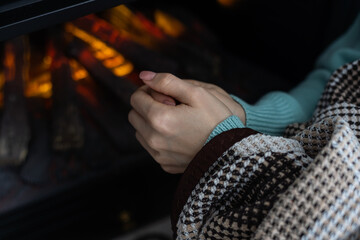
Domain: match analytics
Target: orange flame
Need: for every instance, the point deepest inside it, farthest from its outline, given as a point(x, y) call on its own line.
point(135, 26)
point(9, 62)
point(114, 61)
point(110, 58)
point(78, 71)
point(40, 85)
point(169, 24)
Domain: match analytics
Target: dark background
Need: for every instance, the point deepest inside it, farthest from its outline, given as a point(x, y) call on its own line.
point(277, 43)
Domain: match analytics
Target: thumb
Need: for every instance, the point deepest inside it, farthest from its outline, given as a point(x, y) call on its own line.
point(168, 84)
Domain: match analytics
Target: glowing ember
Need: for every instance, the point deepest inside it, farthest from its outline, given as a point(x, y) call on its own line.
point(35, 86)
point(123, 69)
point(227, 3)
point(110, 58)
point(39, 85)
point(169, 24)
point(78, 71)
point(113, 62)
point(9, 62)
point(135, 26)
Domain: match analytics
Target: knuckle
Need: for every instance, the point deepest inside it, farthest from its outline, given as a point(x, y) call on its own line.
point(166, 80)
point(152, 113)
point(197, 92)
point(154, 118)
point(133, 98)
point(154, 142)
point(161, 122)
point(130, 116)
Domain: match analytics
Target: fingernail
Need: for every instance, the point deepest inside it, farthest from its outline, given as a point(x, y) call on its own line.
point(167, 102)
point(147, 75)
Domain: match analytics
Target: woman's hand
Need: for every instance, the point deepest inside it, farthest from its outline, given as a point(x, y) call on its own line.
point(218, 92)
point(224, 97)
point(173, 134)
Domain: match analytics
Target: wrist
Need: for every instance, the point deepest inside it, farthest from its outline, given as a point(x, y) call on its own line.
point(229, 123)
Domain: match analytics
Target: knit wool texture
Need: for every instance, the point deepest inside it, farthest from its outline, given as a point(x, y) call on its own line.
point(303, 185)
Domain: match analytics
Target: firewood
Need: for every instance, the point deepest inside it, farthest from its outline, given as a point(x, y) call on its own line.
point(108, 114)
point(15, 132)
point(68, 132)
point(120, 86)
point(140, 56)
point(186, 59)
point(35, 169)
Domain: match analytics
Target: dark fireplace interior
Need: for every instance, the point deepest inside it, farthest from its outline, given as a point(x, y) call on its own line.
point(70, 166)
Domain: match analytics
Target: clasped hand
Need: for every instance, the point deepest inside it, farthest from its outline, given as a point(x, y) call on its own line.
point(173, 133)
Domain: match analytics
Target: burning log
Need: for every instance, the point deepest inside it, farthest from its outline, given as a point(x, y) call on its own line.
point(68, 132)
point(15, 132)
point(139, 55)
point(195, 48)
point(135, 26)
point(121, 87)
point(192, 48)
point(35, 170)
point(107, 114)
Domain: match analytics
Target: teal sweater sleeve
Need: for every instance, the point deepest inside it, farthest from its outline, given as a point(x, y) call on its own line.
point(275, 110)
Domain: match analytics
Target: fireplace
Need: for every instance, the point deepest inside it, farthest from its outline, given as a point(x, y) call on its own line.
point(70, 167)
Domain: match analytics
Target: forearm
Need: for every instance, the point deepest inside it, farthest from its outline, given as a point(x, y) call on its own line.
point(272, 113)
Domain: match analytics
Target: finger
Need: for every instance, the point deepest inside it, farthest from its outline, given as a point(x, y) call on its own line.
point(208, 86)
point(168, 84)
point(196, 83)
point(138, 122)
point(165, 164)
point(143, 103)
point(162, 98)
point(154, 154)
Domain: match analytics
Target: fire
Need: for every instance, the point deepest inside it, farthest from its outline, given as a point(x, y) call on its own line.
point(110, 58)
point(9, 62)
point(122, 70)
point(114, 61)
point(169, 24)
point(136, 26)
point(40, 85)
point(78, 71)
point(126, 25)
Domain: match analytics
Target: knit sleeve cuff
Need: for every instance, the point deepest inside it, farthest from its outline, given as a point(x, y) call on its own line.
point(229, 123)
point(272, 113)
point(203, 160)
